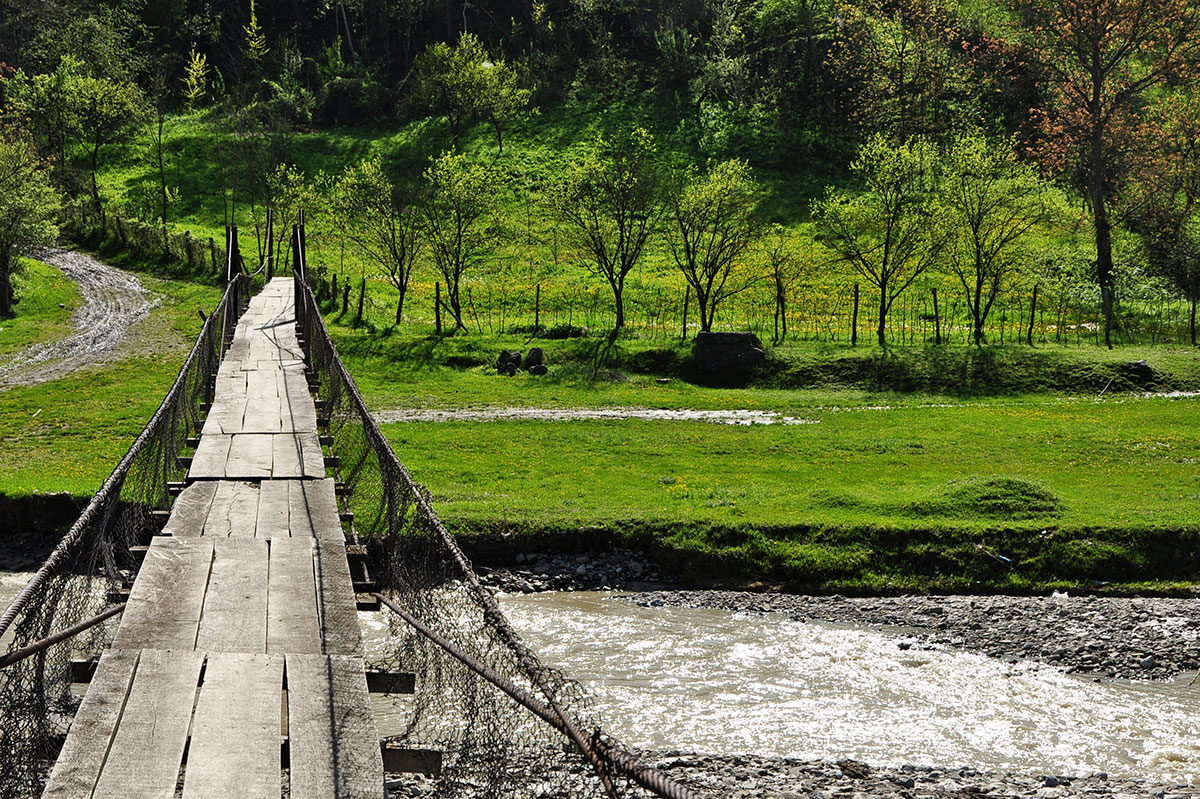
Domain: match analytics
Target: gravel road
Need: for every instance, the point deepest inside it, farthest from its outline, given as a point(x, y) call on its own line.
point(113, 302)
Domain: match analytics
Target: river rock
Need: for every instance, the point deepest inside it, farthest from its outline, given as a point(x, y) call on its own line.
point(538, 369)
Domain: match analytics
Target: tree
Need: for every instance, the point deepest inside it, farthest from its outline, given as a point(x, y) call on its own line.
point(51, 101)
point(109, 111)
point(460, 198)
point(464, 82)
point(992, 202)
point(611, 199)
point(195, 78)
point(29, 205)
point(386, 230)
point(1105, 60)
point(784, 267)
point(888, 232)
point(1168, 218)
point(711, 227)
point(910, 81)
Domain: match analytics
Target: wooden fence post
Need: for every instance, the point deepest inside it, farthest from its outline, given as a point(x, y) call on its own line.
point(687, 296)
point(437, 307)
point(1032, 311)
point(937, 321)
point(854, 320)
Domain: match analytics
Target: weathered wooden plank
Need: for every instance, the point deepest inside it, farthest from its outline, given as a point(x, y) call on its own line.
point(314, 510)
point(147, 749)
point(191, 509)
point(263, 384)
point(273, 509)
point(235, 607)
point(336, 604)
point(263, 416)
point(331, 731)
point(298, 455)
point(78, 766)
point(292, 621)
point(250, 456)
point(234, 510)
point(168, 596)
point(227, 415)
point(234, 749)
point(211, 457)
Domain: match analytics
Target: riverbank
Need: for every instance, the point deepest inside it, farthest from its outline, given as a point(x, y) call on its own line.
point(750, 777)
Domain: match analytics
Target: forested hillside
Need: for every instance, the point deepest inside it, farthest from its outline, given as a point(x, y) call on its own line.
point(764, 163)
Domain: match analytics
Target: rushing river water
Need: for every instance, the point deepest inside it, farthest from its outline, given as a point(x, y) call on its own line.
point(715, 682)
point(711, 681)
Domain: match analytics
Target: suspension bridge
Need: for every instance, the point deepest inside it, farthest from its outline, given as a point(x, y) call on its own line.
point(209, 598)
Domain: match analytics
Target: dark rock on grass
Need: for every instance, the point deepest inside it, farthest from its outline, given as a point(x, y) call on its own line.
point(722, 352)
point(535, 358)
point(538, 369)
point(508, 363)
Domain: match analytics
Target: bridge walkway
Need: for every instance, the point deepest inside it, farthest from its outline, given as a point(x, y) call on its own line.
point(237, 668)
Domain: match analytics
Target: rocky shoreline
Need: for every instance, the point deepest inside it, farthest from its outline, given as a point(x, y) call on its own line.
point(750, 777)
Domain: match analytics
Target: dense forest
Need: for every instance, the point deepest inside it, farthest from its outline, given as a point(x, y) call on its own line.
point(730, 149)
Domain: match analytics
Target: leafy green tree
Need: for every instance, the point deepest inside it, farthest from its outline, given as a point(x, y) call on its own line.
point(386, 230)
point(711, 227)
point(889, 231)
point(992, 203)
point(461, 197)
point(464, 82)
point(109, 112)
point(51, 101)
point(1105, 61)
point(909, 80)
point(29, 205)
point(610, 200)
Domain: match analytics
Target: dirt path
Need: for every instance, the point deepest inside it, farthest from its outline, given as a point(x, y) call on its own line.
point(113, 301)
point(734, 417)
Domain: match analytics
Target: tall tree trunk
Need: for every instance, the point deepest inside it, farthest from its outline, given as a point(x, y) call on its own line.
point(619, 297)
point(400, 309)
point(1103, 230)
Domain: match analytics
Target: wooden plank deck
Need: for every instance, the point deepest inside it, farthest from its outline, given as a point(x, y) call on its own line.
point(245, 602)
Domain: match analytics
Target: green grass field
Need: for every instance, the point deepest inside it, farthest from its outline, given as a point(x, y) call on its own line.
point(866, 497)
point(43, 313)
point(67, 435)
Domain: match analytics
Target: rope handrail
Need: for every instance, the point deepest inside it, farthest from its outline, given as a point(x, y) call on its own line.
point(118, 474)
point(605, 757)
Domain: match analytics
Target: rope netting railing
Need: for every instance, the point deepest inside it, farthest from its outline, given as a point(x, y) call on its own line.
point(506, 724)
point(69, 608)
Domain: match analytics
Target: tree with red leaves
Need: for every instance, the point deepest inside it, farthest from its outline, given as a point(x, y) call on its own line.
point(1103, 62)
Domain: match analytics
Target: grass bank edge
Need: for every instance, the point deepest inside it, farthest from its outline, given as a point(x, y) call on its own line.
point(874, 560)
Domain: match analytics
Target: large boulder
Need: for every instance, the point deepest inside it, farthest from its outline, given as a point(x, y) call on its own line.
point(535, 358)
point(508, 363)
point(723, 352)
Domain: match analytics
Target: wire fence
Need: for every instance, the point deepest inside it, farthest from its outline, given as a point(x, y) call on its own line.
point(499, 716)
point(89, 568)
